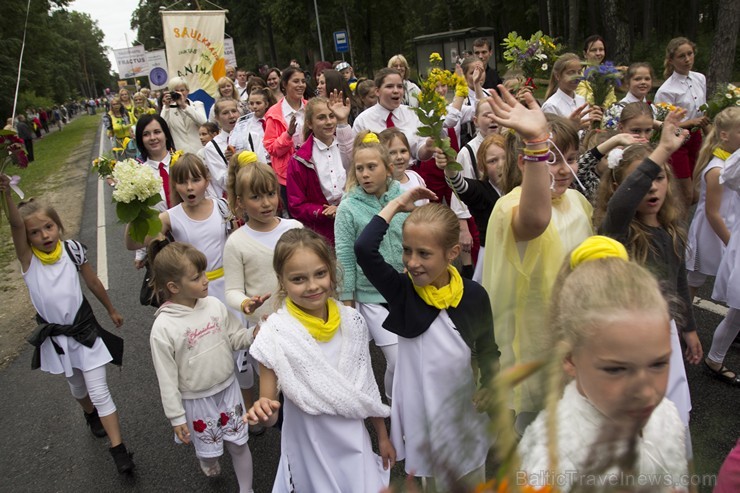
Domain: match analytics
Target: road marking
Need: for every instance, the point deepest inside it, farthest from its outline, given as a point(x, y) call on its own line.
point(710, 307)
point(102, 246)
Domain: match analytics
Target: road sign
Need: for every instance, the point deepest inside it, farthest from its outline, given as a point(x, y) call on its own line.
point(341, 42)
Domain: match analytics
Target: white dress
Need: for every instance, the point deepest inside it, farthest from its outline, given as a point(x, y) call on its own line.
point(704, 249)
point(324, 453)
point(434, 424)
point(660, 447)
point(727, 282)
point(56, 295)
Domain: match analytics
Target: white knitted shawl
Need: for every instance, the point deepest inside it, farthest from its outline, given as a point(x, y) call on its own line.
point(306, 376)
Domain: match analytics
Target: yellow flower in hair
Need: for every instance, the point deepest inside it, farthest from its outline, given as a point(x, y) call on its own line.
point(246, 157)
point(597, 247)
point(370, 138)
point(175, 157)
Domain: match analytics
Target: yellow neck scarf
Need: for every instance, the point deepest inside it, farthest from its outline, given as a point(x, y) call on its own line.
point(49, 258)
point(446, 296)
point(721, 153)
point(319, 330)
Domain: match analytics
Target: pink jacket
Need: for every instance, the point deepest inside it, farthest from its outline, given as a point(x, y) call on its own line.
point(305, 198)
point(277, 142)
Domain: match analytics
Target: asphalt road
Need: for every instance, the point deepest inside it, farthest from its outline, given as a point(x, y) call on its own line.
point(46, 446)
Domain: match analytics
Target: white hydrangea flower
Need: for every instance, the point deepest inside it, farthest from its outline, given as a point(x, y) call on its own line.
point(135, 181)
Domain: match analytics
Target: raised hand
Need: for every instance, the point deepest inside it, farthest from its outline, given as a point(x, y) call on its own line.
point(340, 106)
point(529, 121)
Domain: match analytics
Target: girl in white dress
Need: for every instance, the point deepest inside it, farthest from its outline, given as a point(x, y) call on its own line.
point(710, 228)
point(400, 152)
point(613, 425)
point(445, 330)
point(68, 339)
point(192, 341)
point(316, 350)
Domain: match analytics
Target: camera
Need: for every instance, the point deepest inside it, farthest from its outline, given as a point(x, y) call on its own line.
point(174, 95)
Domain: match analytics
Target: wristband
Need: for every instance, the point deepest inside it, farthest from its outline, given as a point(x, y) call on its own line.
point(536, 152)
point(247, 300)
point(543, 158)
point(538, 141)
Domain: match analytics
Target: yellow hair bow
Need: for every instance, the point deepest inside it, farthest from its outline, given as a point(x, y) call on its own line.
point(370, 138)
point(174, 157)
point(246, 157)
point(597, 247)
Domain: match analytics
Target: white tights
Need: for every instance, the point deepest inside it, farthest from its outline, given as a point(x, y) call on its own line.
point(241, 458)
point(94, 383)
point(724, 334)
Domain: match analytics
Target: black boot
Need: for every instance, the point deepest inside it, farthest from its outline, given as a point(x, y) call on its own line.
point(122, 458)
point(93, 421)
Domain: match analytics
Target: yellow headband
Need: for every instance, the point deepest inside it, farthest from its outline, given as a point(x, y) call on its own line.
point(246, 157)
point(597, 247)
point(370, 138)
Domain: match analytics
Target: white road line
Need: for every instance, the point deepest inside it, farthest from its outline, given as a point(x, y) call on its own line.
point(102, 246)
point(710, 307)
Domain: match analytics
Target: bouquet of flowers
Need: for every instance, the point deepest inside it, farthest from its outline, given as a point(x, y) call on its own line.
point(611, 117)
point(533, 56)
point(725, 97)
point(104, 166)
point(603, 79)
point(136, 192)
point(661, 112)
point(12, 151)
point(433, 107)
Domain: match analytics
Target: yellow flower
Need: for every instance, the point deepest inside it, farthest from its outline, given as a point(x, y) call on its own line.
point(435, 58)
point(175, 156)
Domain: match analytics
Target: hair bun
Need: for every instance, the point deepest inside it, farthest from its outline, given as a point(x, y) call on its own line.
point(246, 157)
point(371, 138)
point(597, 247)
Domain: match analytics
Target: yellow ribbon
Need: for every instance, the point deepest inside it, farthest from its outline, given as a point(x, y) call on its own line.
point(51, 257)
point(597, 247)
point(721, 153)
point(174, 157)
point(214, 274)
point(319, 330)
point(370, 138)
point(444, 297)
point(246, 157)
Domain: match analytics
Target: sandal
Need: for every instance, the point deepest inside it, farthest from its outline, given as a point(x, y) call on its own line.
point(725, 374)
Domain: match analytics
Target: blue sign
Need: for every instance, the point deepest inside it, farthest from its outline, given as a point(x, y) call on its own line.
point(341, 42)
point(158, 76)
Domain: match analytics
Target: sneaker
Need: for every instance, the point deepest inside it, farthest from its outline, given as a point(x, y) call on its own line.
point(122, 458)
point(93, 421)
point(210, 469)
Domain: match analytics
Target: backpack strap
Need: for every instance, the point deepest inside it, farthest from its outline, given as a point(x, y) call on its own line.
point(225, 211)
point(76, 251)
point(472, 157)
point(220, 153)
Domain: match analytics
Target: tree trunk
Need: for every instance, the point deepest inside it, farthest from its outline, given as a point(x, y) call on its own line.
point(647, 21)
point(550, 26)
point(724, 44)
point(544, 26)
point(271, 39)
point(573, 12)
point(692, 19)
point(616, 31)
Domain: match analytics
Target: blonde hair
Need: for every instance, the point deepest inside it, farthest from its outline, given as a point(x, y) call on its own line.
point(669, 216)
point(177, 82)
point(400, 59)
point(557, 71)
point(295, 239)
point(169, 265)
point(188, 166)
point(32, 206)
point(725, 121)
point(670, 51)
point(224, 81)
point(359, 145)
point(310, 111)
point(439, 216)
point(257, 178)
point(480, 157)
point(221, 102)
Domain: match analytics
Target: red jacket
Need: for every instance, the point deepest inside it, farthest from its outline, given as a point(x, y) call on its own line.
point(277, 142)
point(306, 200)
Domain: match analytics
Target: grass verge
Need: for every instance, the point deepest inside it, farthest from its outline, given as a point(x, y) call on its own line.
point(51, 154)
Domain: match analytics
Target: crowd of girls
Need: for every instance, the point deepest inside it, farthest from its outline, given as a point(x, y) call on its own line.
point(295, 231)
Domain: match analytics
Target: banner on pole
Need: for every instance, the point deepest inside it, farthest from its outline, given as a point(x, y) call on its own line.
point(158, 75)
point(229, 53)
point(195, 50)
point(131, 62)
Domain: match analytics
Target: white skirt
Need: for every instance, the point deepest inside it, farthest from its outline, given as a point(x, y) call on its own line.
point(75, 355)
point(215, 419)
point(678, 385)
point(375, 315)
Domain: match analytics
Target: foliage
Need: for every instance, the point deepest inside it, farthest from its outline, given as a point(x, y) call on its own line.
point(603, 79)
point(533, 56)
point(136, 193)
point(726, 96)
point(433, 107)
point(64, 56)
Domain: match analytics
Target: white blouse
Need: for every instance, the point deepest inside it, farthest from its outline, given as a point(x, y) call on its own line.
point(685, 91)
point(562, 104)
